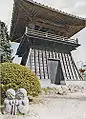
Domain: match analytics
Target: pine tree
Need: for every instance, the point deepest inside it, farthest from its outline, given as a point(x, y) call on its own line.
point(5, 48)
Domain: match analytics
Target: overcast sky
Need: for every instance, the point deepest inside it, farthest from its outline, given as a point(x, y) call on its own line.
point(76, 7)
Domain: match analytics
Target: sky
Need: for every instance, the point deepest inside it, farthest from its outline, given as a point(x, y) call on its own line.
point(75, 7)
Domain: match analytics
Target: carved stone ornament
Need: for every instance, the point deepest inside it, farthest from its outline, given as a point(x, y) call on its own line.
point(16, 102)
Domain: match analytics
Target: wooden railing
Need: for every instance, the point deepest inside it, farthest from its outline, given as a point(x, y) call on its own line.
point(49, 35)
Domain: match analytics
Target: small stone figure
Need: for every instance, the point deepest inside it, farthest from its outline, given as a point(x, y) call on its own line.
point(9, 102)
point(16, 103)
point(23, 102)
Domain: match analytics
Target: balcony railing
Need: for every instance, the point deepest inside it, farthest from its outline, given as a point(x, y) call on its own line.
point(49, 35)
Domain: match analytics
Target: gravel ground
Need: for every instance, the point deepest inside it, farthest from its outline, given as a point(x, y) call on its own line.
point(71, 106)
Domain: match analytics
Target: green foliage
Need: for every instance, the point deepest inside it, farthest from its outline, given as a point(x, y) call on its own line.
point(5, 48)
point(17, 76)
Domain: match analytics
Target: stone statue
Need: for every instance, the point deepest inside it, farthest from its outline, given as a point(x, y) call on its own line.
point(16, 103)
point(23, 102)
point(9, 102)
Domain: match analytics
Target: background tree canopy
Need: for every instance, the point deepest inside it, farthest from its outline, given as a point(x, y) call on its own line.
point(5, 47)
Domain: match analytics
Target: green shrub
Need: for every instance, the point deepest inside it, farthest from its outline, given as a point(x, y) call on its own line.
point(17, 76)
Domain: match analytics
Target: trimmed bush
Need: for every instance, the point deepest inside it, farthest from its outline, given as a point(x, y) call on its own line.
point(17, 76)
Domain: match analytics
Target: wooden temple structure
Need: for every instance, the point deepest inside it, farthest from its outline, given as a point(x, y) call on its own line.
point(45, 33)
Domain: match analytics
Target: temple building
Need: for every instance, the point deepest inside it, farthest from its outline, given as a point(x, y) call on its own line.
point(45, 40)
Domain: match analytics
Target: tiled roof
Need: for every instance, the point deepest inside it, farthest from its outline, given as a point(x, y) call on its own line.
point(53, 9)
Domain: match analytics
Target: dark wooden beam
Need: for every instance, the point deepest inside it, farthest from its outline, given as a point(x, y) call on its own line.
point(43, 63)
point(39, 65)
point(35, 60)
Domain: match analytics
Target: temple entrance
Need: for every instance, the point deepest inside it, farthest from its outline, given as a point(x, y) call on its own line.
point(55, 71)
